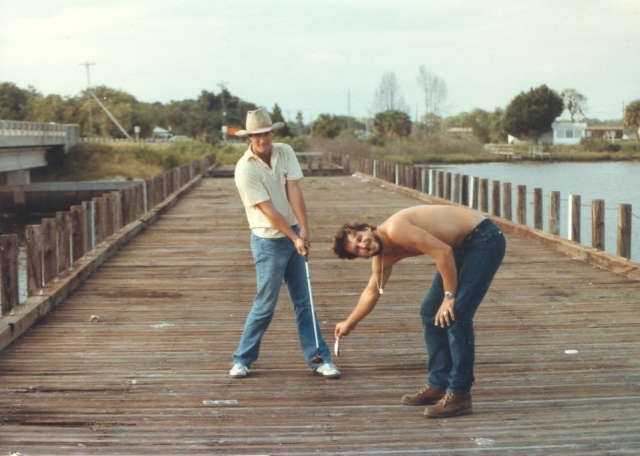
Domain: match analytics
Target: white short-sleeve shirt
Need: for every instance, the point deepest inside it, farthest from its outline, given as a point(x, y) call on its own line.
point(257, 183)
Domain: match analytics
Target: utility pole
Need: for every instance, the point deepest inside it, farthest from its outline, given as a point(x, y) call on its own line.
point(223, 88)
point(87, 64)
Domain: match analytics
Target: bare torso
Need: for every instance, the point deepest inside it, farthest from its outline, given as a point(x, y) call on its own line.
point(443, 224)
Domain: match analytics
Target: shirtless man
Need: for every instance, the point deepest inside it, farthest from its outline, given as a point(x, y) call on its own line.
point(468, 249)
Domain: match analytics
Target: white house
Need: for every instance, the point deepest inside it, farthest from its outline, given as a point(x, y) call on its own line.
point(568, 132)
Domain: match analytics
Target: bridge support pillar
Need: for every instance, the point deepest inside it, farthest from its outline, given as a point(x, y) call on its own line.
point(19, 177)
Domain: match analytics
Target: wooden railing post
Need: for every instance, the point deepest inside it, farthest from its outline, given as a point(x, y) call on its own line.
point(506, 201)
point(118, 220)
point(90, 209)
point(537, 208)
point(597, 224)
point(464, 191)
point(457, 180)
point(433, 178)
point(63, 241)
point(9, 293)
point(78, 232)
point(521, 204)
point(624, 231)
point(447, 186)
point(424, 180)
point(49, 251)
point(554, 213)
point(495, 198)
point(34, 251)
point(98, 217)
point(109, 214)
point(475, 185)
point(574, 218)
point(484, 195)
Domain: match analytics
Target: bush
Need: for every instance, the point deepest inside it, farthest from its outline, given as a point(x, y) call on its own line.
point(94, 161)
point(229, 154)
point(297, 143)
point(613, 147)
point(595, 144)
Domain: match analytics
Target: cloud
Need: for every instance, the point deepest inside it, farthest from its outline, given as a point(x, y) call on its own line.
point(309, 55)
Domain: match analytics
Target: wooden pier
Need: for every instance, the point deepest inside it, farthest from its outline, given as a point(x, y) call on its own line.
point(557, 368)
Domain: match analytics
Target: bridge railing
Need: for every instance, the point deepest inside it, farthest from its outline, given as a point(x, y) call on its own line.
point(495, 198)
point(15, 133)
point(61, 246)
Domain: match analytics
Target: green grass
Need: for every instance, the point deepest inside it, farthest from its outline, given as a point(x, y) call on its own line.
point(95, 161)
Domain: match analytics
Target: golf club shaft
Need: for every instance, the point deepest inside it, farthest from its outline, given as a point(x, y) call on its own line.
point(313, 312)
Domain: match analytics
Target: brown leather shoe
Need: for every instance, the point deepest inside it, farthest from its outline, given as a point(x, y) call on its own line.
point(450, 405)
point(426, 396)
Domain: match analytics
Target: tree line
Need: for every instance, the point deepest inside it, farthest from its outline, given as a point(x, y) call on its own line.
point(200, 118)
point(528, 115)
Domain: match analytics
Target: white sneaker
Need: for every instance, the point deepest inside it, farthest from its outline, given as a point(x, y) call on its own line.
point(328, 370)
point(239, 371)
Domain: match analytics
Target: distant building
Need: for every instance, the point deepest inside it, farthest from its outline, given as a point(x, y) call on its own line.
point(462, 133)
point(610, 133)
point(568, 133)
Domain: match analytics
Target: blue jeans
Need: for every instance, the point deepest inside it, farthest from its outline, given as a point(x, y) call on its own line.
point(277, 260)
point(451, 350)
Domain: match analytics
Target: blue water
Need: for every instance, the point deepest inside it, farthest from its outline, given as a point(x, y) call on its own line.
point(614, 182)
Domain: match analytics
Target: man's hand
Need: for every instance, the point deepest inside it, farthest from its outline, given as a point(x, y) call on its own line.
point(301, 247)
point(305, 235)
point(445, 315)
point(342, 329)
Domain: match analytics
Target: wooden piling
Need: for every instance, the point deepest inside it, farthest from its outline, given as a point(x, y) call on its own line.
point(521, 204)
point(9, 296)
point(554, 213)
point(597, 224)
point(624, 230)
point(537, 208)
point(574, 218)
point(495, 198)
point(506, 201)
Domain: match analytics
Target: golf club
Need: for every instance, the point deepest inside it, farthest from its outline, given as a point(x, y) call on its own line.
point(318, 359)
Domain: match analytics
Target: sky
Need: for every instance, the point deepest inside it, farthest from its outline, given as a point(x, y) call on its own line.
point(327, 56)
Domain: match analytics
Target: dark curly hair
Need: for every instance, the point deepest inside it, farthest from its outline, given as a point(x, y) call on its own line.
point(340, 239)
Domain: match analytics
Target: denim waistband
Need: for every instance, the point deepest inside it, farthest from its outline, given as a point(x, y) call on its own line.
point(480, 227)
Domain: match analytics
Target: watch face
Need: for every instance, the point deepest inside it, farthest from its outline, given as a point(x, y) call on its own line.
point(449, 295)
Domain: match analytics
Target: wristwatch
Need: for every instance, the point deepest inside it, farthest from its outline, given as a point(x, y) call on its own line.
point(449, 295)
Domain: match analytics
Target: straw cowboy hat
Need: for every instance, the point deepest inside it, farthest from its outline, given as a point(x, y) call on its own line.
point(258, 121)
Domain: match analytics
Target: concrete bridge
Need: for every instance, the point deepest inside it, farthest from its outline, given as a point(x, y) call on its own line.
point(28, 145)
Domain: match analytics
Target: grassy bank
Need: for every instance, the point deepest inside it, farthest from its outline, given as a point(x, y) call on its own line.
point(94, 161)
point(438, 149)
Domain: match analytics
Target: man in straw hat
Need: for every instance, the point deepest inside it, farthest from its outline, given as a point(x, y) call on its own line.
point(267, 177)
